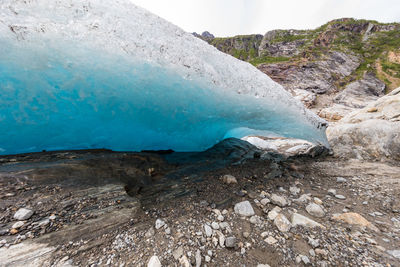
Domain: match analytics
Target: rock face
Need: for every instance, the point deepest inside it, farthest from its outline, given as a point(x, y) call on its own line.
point(244, 47)
point(317, 76)
point(359, 93)
point(369, 133)
point(282, 43)
point(336, 59)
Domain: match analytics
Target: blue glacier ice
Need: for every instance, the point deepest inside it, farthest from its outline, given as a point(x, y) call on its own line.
point(78, 74)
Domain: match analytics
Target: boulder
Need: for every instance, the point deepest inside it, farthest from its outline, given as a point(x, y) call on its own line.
point(298, 219)
point(244, 209)
point(361, 92)
point(354, 219)
point(369, 133)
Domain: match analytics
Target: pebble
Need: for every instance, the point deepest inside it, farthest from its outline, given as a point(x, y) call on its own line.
point(273, 213)
point(270, 240)
point(215, 225)
point(298, 219)
point(17, 224)
point(332, 191)
point(294, 190)
point(184, 262)
point(263, 265)
point(207, 258)
point(198, 258)
point(394, 253)
point(315, 210)
point(244, 209)
point(265, 201)
point(44, 223)
point(303, 199)
point(282, 223)
point(340, 197)
point(305, 259)
point(154, 262)
point(281, 201)
point(230, 242)
point(220, 218)
point(23, 214)
point(168, 231)
point(159, 223)
point(229, 179)
point(150, 232)
point(321, 251)
point(246, 234)
point(53, 217)
point(341, 180)
point(208, 230)
point(317, 201)
point(255, 219)
point(177, 253)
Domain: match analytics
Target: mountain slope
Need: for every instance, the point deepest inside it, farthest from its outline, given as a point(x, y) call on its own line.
point(325, 60)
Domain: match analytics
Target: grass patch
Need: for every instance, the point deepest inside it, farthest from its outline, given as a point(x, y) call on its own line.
point(268, 60)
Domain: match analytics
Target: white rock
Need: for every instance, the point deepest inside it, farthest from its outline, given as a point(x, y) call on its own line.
point(281, 201)
point(198, 258)
point(297, 219)
point(215, 225)
point(317, 201)
point(315, 210)
point(159, 223)
point(44, 223)
point(274, 212)
point(340, 197)
point(270, 240)
point(294, 190)
point(154, 262)
point(220, 218)
point(208, 230)
point(184, 262)
point(282, 223)
point(263, 265)
point(341, 180)
point(229, 179)
point(23, 214)
point(244, 209)
point(265, 201)
point(394, 253)
point(221, 238)
point(177, 253)
point(303, 199)
point(332, 191)
point(305, 259)
point(255, 219)
point(18, 224)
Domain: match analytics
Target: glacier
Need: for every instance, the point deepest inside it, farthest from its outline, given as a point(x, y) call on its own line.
point(79, 74)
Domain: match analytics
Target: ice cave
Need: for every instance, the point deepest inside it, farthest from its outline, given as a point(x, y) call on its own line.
point(78, 74)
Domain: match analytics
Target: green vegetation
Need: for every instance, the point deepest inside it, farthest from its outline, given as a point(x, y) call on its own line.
point(345, 35)
point(268, 60)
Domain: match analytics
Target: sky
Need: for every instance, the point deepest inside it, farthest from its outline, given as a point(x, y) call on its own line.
point(233, 17)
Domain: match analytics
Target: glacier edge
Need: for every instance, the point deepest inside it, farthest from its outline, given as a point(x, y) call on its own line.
point(89, 74)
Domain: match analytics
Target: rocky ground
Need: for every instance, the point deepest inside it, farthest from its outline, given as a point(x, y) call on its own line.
point(77, 209)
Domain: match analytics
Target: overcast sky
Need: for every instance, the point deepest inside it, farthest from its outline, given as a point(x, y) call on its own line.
point(233, 17)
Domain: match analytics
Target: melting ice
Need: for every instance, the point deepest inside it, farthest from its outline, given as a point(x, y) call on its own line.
point(78, 74)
